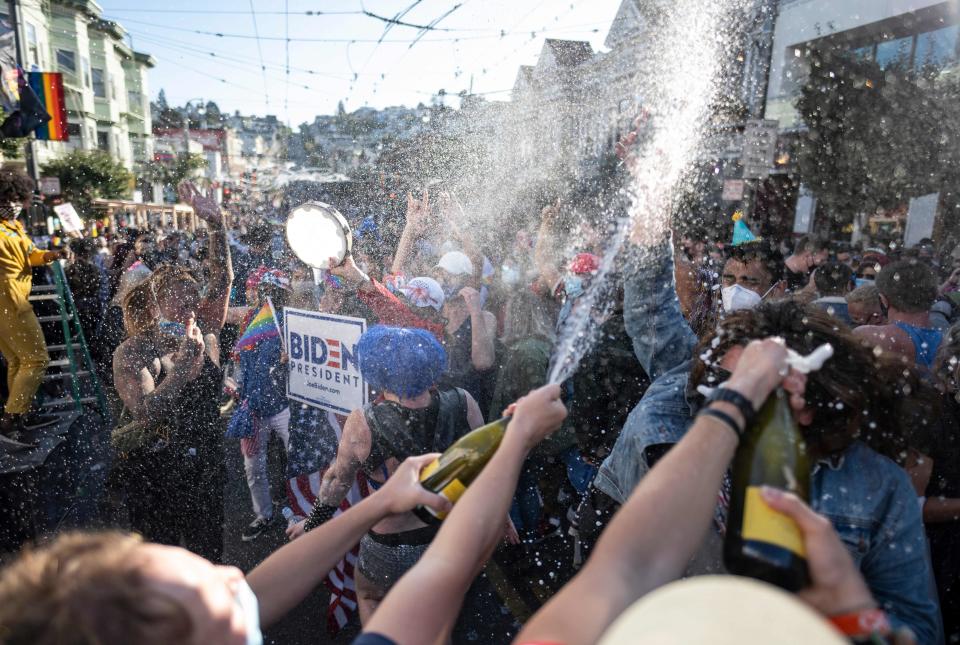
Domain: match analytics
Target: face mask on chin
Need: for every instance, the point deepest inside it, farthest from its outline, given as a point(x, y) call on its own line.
point(247, 602)
point(11, 211)
point(573, 287)
point(737, 297)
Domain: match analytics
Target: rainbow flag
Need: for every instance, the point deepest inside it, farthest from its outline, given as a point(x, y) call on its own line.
point(49, 89)
point(262, 325)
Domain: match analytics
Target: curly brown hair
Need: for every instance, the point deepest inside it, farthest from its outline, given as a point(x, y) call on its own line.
point(858, 394)
point(15, 186)
point(86, 589)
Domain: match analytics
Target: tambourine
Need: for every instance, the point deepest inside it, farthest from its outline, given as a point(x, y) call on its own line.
point(317, 232)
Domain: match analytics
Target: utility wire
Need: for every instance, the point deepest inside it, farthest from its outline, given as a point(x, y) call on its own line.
point(492, 36)
point(263, 68)
point(239, 11)
point(220, 34)
point(223, 62)
point(401, 23)
point(286, 29)
point(432, 25)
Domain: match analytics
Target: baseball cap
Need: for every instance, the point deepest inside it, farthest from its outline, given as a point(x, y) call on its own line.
point(584, 263)
point(423, 292)
point(263, 275)
point(456, 263)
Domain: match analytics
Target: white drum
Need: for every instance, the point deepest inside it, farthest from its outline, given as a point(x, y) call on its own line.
point(317, 232)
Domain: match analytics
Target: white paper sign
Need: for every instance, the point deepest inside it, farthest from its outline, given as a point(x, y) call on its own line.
point(921, 218)
point(322, 350)
point(69, 219)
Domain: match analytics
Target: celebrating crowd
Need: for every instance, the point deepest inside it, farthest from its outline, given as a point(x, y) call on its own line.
point(619, 475)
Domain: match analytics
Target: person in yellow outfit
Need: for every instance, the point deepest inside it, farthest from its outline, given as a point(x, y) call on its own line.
point(21, 339)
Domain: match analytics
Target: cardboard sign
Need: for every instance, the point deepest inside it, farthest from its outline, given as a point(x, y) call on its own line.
point(69, 219)
point(322, 350)
point(49, 185)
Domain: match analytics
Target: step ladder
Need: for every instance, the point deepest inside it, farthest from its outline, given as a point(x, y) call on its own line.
point(70, 359)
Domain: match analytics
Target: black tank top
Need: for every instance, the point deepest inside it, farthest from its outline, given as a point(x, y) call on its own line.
point(400, 432)
point(195, 421)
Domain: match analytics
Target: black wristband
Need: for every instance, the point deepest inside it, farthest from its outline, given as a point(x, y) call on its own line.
point(724, 418)
point(733, 397)
point(321, 513)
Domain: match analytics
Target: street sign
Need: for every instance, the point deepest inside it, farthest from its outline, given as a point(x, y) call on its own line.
point(49, 185)
point(759, 147)
point(732, 190)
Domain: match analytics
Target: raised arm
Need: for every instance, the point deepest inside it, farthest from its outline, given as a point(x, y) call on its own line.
point(423, 605)
point(293, 571)
point(483, 325)
point(417, 213)
point(545, 251)
point(661, 337)
point(212, 312)
point(652, 538)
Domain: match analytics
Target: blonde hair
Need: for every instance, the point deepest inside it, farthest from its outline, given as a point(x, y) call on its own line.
point(169, 274)
point(140, 309)
point(86, 589)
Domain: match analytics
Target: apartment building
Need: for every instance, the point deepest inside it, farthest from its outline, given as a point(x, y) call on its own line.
point(105, 81)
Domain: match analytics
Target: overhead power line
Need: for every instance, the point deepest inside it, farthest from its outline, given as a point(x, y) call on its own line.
point(218, 34)
point(263, 69)
point(286, 28)
point(237, 11)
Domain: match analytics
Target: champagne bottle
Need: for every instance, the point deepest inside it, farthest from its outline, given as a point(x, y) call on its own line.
point(761, 542)
point(451, 473)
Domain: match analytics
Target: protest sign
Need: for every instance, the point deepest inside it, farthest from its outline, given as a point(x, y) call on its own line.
point(322, 350)
point(69, 219)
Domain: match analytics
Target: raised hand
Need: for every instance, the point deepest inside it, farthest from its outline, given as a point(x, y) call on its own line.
point(762, 368)
point(418, 210)
point(472, 297)
point(348, 270)
point(205, 206)
point(549, 215)
point(403, 491)
point(188, 359)
point(538, 414)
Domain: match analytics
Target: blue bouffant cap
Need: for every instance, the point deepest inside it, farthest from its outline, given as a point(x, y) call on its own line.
point(407, 362)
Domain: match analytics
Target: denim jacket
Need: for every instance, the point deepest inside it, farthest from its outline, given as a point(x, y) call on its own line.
point(868, 498)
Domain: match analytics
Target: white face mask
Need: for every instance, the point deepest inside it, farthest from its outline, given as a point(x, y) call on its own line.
point(737, 297)
point(247, 601)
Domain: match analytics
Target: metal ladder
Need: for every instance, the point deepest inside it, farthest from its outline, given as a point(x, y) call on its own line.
point(84, 384)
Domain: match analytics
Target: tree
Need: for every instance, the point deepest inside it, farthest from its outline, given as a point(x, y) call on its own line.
point(12, 148)
point(88, 174)
point(212, 115)
point(162, 101)
point(868, 142)
point(171, 173)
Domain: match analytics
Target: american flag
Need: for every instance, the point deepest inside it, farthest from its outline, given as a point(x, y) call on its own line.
point(314, 436)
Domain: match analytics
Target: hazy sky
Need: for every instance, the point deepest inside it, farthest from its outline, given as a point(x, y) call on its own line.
point(323, 61)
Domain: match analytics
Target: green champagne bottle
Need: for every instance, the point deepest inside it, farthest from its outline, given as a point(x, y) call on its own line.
point(761, 542)
point(451, 473)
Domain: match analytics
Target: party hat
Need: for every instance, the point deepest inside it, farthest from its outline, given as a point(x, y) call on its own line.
point(741, 232)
